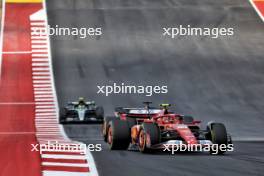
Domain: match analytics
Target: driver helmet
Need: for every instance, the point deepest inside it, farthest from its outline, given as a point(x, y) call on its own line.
point(165, 107)
point(81, 101)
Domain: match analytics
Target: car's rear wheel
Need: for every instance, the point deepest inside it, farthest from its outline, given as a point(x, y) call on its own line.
point(149, 135)
point(218, 137)
point(105, 126)
point(118, 136)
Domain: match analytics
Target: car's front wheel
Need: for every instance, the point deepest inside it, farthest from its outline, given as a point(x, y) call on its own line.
point(218, 136)
point(118, 136)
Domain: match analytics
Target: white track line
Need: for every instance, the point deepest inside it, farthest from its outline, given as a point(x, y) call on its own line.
point(38, 41)
point(41, 77)
point(43, 96)
point(41, 121)
point(40, 107)
point(41, 73)
point(44, 110)
point(58, 173)
point(51, 123)
point(48, 130)
point(46, 94)
point(65, 164)
point(38, 46)
point(48, 135)
point(41, 81)
point(39, 50)
point(38, 37)
point(45, 119)
point(40, 69)
point(63, 156)
point(46, 114)
point(46, 122)
point(39, 59)
point(47, 126)
point(44, 103)
point(39, 55)
point(44, 99)
point(41, 85)
point(42, 89)
point(42, 92)
point(40, 64)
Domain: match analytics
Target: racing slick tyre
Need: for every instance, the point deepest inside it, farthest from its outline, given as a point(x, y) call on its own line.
point(149, 135)
point(118, 136)
point(99, 112)
point(106, 126)
point(218, 136)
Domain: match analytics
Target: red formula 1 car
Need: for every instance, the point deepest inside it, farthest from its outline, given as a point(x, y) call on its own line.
point(156, 128)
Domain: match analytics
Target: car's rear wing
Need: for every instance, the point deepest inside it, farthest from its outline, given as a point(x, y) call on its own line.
point(137, 111)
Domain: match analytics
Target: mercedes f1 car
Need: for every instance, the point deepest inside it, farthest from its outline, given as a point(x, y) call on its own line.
point(156, 128)
point(81, 112)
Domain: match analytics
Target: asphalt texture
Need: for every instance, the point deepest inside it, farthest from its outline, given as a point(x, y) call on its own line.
point(246, 159)
point(212, 79)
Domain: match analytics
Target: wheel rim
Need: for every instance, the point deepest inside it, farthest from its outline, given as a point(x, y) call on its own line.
point(141, 139)
point(110, 136)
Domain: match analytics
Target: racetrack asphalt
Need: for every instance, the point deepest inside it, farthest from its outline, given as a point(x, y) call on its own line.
point(246, 159)
point(212, 79)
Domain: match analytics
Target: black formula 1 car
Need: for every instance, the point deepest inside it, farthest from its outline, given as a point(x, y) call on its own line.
point(158, 128)
point(81, 112)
